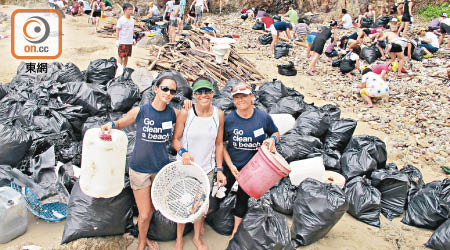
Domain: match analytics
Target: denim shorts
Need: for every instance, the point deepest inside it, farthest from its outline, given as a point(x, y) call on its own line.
point(310, 38)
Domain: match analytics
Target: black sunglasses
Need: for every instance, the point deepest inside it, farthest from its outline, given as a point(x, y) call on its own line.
point(167, 89)
point(201, 91)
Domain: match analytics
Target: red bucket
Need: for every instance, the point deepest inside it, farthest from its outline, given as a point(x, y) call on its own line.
point(262, 172)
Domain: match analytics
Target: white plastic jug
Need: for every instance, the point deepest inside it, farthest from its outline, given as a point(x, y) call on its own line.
point(284, 122)
point(302, 169)
point(103, 163)
point(13, 214)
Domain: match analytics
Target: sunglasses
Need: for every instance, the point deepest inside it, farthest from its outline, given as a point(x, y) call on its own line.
point(237, 88)
point(167, 89)
point(202, 91)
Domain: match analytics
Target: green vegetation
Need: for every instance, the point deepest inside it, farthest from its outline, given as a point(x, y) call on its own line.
point(432, 11)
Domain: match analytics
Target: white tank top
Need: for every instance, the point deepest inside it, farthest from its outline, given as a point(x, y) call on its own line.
point(199, 139)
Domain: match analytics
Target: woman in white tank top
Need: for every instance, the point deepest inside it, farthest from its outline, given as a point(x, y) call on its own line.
point(198, 137)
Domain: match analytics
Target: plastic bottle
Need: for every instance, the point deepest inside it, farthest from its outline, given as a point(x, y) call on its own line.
point(103, 163)
point(13, 214)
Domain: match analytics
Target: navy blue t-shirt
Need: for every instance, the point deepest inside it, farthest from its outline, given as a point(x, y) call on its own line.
point(153, 130)
point(245, 136)
point(281, 26)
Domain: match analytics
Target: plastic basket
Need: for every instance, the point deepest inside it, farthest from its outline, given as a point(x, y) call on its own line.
point(181, 192)
point(52, 212)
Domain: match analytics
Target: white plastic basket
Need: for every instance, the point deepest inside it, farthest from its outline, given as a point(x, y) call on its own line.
point(175, 188)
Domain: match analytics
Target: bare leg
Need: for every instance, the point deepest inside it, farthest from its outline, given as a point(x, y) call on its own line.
point(125, 62)
point(198, 225)
point(406, 27)
point(308, 51)
point(237, 222)
point(145, 208)
point(180, 27)
point(401, 62)
point(381, 52)
point(312, 66)
point(368, 100)
point(179, 242)
point(274, 41)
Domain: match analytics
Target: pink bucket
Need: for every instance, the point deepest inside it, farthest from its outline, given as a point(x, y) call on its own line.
point(262, 172)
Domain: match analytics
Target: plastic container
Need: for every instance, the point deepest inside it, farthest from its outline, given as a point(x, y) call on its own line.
point(302, 169)
point(103, 163)
point(335, 178)
point(220, 50)
point(13, 214)
point(284, 122)
point(181, 192)
point(262, 172)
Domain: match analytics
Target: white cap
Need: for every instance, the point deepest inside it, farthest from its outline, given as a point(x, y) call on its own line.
point(394, 20)
point(243, 90)
point(444, 15)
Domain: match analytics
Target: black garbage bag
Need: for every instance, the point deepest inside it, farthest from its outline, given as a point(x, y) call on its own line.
point(333, 110)
point(440, 240)
point(364, 200)
point(339, 134)
point(14, 144)
point(70, 73)
point(258, 26)
point(66, 176)
point(147, 96)
point(224, 103)
point(393, 186)
point(271, 92)
point(293, 105)
point(97, 217)
point(417, 52)
point(262, 228)
point(294, 146)
point(287, 69)
point(92, 98)
point(101, 71)
point(163, 229)
point(363, 154)
point(366, 22)
point(3, 91)
point(76, 117)
point(283, 196)
point(70, 153)
point(415, 180)
point(183, 88)
point(123, 92)
point(222, 219)
point(331, 159)
point(347, 65)
point(244, 16)
point(370, 53)
point(337, 62)
point(265, 39)
point(93, 122)
point(383, 21)
point(317, 208)
point(313, 122)
point(281, 49)
point(429, 208)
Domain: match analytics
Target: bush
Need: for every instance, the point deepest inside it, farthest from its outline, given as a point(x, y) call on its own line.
point(433, 11)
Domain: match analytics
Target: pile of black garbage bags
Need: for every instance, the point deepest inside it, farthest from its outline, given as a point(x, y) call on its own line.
point(43, 117)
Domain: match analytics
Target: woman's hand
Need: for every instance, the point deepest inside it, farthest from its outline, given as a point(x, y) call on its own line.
point(270, 144)
point(221, 179)
point(106, 127)
point(235, 171)
point(187, 104)
point(187, 159)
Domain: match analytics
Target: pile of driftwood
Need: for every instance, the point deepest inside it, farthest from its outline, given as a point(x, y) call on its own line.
point(193, 58)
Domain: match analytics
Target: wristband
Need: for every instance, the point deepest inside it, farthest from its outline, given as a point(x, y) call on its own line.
point(219, 169)
point(181, 151)
point(275, 138)
point(113, 125)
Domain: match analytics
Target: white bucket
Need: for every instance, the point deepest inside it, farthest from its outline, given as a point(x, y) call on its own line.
point(103, 163)
point(220, 51)
point(308, 168)
point(335, 178)
point(284, 122)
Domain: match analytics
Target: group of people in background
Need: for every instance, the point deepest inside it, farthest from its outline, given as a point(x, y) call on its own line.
point(394, 42)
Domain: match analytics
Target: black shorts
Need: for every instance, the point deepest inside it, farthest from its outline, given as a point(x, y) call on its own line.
point(396, 48)
point(382, 44)
point(97, 13)
point(87, 12)
point(406, 18)
point(318, 45)
point(445, 28)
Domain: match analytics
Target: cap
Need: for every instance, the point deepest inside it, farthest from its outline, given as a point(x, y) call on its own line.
point(150, 4)
point(444, 15)
point(241, 89)
point(394, 20)
point(333, 23)
point(420, 30)
point(202, 84)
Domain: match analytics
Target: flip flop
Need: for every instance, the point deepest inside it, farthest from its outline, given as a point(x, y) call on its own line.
point(308, 73)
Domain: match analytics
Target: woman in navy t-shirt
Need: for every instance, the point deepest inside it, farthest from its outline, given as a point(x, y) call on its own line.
point(154, 126)
point(246, 129)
